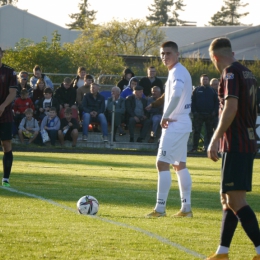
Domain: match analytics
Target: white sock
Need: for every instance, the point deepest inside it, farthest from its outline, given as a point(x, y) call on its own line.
point(163, 188)
point(222, 250)
point(184, 181)
point(5, 179)
point(257, 249)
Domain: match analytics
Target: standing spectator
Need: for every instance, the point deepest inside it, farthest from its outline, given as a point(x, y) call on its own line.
point(155, 113)
point(150, 81)
point(23, 83)
point(176, 128)
point(78, 82)
point(93, 106)
point(38, 91)
point(119, 103)
point(214, 84)
point(8, 86)
point(37, 74)
point(236, 134)
point(43, 106)
point(19, 107)
point(137, 114)
point(66, 95)
point(68, 128)
point(204, 108)
point(124, 82)
point(51, 123)
point(29, 127)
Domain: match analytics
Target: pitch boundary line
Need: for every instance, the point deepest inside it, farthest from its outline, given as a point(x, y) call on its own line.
point(143, 231)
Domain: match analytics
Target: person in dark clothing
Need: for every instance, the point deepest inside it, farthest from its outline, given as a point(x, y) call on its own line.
point(124, 82)
point(204, 108)
point(137, 114)
point(150, 81)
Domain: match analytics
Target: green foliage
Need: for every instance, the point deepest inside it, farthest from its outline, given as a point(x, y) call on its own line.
point(228, 15)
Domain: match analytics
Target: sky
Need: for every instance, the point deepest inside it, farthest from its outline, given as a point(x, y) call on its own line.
point(200, 11)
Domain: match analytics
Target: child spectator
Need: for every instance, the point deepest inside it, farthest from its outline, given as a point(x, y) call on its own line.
point(51, 123)
point(38, 91)
point(68, 128)
point(45, 103)
point(37, 74)
point(20, 105)
point(29, 127)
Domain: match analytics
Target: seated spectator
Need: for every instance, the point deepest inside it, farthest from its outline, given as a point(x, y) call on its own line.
point(155, 113)
point(88, 79)
point(93, 105)
point(23, 83)
point(37, 74)
point(150, 81)
point(43, 106)
point(19, 107)
point(128, 91)
point(51, 123)
point(124, 82)
point(78, 82)
point(38, 91)
point(137, 114)
point(29, 127)
point(66, 95)
point(68, 128)
point(119, 103)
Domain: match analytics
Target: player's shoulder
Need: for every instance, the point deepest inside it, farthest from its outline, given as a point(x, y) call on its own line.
point(237, 68)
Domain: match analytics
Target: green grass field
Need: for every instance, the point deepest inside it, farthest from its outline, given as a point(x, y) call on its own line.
point(39, 219)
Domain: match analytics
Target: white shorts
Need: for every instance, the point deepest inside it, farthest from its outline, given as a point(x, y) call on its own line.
point(173, 147)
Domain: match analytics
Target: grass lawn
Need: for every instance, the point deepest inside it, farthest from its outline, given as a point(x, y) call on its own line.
point(39, 219)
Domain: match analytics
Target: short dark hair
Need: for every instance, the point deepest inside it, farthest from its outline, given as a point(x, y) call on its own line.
point(170, 44)
point(88, 76)
point(222, 46)
point(36, 68)
point(48, 90)
point(24, 91)
point(68, 110)
point(53, 109)
point(204, 75)
point(67, 80)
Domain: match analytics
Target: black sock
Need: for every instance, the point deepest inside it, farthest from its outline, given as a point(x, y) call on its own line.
point(7, 163)
point(228, 227)
point(249, 223)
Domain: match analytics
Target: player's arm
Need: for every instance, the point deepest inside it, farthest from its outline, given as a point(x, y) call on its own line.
point(11, 96)
point(227, 117)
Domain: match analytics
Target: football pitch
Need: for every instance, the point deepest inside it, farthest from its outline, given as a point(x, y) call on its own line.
point(39, 218)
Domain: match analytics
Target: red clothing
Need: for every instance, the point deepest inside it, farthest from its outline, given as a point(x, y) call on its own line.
point(22, 104)
point(239, 82)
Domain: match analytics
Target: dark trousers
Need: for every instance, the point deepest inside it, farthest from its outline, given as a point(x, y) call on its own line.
point(197, 122)
point(146, 126)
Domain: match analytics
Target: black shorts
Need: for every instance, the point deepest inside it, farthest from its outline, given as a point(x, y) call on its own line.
point(237, 171)
point(6, 131)
point(67, 136)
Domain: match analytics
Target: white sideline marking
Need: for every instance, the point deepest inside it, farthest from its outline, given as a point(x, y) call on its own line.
point(150, 234)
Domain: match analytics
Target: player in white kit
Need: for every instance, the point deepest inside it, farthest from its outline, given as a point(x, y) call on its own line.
point(176, 127)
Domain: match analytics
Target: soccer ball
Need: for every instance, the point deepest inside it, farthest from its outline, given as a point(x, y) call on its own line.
point(87, 205)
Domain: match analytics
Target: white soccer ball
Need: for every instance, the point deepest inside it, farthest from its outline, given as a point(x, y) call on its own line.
point(87, 205)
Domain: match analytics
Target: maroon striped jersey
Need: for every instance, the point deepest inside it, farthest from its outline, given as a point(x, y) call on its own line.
point(239, 82)
point(8, 80)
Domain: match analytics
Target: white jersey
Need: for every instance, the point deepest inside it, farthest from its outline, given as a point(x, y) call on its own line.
point(179, 78)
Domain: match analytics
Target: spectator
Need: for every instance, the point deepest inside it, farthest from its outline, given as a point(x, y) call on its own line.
point(150, 81)
point(214, 84)
point(128, 91)
point(37, 74)
point(29, 127)
point(204, 108)
point(119, 103)
point(66, 95)
point(124, 82)
point(78, 82)
point(155, 113)
point(51, 123)
point(20, 105)
point(38, 91)
point(93, 105)
point(23, 83)
point(137, 114)
point(45, 103)
point(68, 128)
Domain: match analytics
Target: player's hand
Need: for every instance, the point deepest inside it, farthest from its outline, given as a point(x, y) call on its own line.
point(165, 122)
point(148, 107)
point(212, 151)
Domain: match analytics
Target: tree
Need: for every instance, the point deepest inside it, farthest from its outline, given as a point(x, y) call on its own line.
point(228, 15)
point(8, 2)
point(165, 12)
point(82, 19)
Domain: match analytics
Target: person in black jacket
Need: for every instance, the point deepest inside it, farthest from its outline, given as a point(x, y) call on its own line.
point(124, 82)
point(204, 108)
point(137, 114)
point(150, 81)
point(93, 106)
